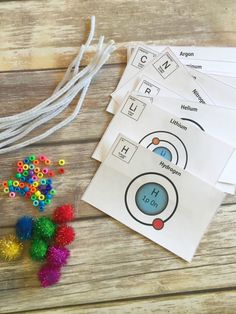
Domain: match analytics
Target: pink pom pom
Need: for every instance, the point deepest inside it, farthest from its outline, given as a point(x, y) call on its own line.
point(49, 275)
point(57, 256)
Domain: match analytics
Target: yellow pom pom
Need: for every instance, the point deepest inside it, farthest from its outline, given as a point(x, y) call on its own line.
point(10, 248)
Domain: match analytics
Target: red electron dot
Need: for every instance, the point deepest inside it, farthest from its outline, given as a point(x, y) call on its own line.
point(158, 224)
point(155, 141)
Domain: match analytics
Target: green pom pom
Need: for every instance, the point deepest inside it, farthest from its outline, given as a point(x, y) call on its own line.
point(44, 228)
point(38, 250)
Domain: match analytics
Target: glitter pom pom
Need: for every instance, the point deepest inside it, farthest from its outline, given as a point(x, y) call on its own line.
point(64, 235)
point(44, 228)
point(63, 214)
point(38, 250)
point(10, 248)
point(49, 275)
point(24, 228)
point(57, 256)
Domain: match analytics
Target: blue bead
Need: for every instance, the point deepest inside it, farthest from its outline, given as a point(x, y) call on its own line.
point(49, 181)
point(11, 188)
point(41, 203)
point(23, 179)
point(31, 181)
point(22, 192)
point(26, 189)
point(17, 189)
point(41, 209)
point(36, 203)
point(49, 196)
point(26, 161)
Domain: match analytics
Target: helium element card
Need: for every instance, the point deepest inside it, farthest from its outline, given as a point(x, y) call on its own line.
point(154, 197)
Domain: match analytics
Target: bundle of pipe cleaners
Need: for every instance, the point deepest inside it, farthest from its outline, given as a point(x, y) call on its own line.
point(49, 240)
point(15, 128)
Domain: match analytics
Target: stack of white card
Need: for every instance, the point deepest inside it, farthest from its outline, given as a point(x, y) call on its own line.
point(168, 155)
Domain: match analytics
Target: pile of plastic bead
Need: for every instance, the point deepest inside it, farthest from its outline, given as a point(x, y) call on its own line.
point(34, 180)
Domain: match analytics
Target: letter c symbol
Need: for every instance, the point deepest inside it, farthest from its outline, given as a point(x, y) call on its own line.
point(143, 59)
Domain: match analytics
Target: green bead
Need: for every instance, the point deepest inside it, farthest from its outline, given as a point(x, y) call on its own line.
point(44, 227)
point(53, 192)
point(9, 182)
point(32, 157)
point(33, 197)
point(47, 201)
point(38, 250)
point(31, 167)
point(25, 173)
point(18, 175)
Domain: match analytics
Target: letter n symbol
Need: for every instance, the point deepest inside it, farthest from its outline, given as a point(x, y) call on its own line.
point(166, 64)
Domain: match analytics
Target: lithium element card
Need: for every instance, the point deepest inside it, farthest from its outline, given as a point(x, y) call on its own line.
point(168, 136)
point(215, 120)
point(154, 197)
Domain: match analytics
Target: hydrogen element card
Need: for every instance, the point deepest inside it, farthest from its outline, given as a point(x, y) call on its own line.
point(153, 197)
point(168, 136)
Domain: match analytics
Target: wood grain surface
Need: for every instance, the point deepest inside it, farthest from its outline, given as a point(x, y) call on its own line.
point(112, 268)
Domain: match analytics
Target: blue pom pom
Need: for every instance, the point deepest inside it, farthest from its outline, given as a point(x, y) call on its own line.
point(24, 228)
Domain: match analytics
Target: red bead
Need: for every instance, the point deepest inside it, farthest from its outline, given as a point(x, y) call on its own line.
point(63, 214)
point(27, 194)
point(61, 171)
point(64, 235)
point(51, 173)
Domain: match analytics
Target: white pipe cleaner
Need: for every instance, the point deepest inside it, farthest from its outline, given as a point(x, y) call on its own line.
point(16, 127)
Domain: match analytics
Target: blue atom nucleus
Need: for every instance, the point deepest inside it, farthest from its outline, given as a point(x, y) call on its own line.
point(151, 198)
point(163, 152)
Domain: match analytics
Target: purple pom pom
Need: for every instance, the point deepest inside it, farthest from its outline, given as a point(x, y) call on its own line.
point(49, 275)
point(57, 256)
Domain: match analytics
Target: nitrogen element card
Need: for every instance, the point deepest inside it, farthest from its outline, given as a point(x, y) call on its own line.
point(168, 136)
point(154, 197)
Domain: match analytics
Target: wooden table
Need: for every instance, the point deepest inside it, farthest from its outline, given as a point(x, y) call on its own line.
point(112, 268)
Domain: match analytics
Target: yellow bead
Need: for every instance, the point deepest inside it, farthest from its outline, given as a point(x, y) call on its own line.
point(10, 247)
point(61, 162)
point(25, 167)
point(41, 197)
point(35, 184)
point(6, 190)
point(40, 175)
point(16, 183)
point(37, 193)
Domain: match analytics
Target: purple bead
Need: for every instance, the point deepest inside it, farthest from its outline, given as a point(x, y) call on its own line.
point(48, 187)
point(31, 173)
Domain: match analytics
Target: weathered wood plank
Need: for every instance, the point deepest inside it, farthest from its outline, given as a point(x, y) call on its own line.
point(204, 303)
point(111, 262)
point(43, 36)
